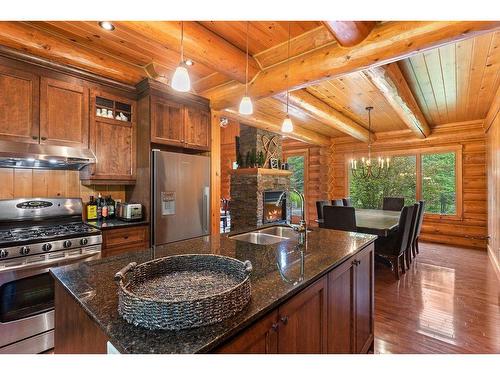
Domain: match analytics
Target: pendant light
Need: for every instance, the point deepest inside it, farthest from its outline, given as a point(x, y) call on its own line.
point(287, 126)
point(180, 80)
point(246, 106)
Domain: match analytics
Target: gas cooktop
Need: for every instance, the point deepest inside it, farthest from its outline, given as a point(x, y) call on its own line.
point(44, 233)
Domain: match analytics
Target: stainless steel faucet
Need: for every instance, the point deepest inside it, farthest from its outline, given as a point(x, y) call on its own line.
point(302, 227)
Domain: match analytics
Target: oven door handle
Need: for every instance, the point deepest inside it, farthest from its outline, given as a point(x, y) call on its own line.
point(43, 264)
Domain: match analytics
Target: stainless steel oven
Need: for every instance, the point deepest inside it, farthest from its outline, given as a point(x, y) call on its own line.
point(27, 300)
point(26, 286)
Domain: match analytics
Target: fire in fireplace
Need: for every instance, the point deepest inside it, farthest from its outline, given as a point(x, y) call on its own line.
point(271, 212)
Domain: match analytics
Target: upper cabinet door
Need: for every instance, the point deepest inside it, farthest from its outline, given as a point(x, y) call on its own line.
point(112, 139)
point(64, 113)
point(197, 127)
point(19, 105)
point(167, 122)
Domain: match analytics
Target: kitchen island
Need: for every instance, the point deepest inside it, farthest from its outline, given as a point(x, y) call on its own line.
point(322, 289)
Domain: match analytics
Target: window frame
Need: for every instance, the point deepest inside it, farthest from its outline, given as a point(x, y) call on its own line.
point(418, 152)
point(305, 153)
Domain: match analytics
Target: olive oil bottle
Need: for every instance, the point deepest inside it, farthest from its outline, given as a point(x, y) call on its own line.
point(92, 209)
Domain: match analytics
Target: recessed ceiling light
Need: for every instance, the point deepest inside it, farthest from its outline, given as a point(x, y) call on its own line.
point(106, 25)
point(189, 62)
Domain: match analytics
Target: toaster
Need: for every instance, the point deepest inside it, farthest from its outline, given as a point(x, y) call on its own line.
point(129, 211)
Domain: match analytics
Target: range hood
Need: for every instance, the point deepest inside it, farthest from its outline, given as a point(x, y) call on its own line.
point(31, 155)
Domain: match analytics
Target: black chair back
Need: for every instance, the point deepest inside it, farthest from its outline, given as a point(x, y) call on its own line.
point(319, 208)
point(340, 218)
point(393, 203)
point(404, 230)
point(347, 202)
point(337, 202)
point(414, 224)
point(421, 212)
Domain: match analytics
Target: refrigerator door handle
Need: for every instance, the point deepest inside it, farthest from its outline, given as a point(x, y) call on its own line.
point(206, 208)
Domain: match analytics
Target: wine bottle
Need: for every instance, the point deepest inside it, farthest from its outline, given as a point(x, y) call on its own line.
point(99, 207)
point(111, 207)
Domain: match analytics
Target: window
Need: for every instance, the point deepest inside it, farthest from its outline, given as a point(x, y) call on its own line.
point(297, 161)
point(439, 183)
point(430, 176)
point(401, 182)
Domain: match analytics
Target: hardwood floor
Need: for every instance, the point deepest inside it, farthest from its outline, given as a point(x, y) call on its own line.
point(448, 302)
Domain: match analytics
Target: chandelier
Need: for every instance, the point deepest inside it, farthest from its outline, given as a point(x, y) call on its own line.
point(368, 167)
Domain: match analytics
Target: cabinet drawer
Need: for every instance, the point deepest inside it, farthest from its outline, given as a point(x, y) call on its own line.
point(124, 236)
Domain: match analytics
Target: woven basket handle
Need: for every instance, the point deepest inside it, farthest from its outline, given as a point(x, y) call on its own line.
point(248, 266)
point(121, 274)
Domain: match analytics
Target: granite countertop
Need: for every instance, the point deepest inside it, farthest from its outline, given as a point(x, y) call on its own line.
point(91, 283)
point(115, 223)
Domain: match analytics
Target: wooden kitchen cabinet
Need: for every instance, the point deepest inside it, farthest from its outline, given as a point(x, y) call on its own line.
point(260, 338)
point(19, 105)
point(197, 128)
point(112, 141)
point(333, 315)
point(167, 123)
point(64, 113)
point(350, 305)
point(179, 125)
point(303, 321)
point(121, 240)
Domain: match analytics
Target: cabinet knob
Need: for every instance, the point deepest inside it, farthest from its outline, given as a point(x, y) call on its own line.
point(43, 138)
point(34, 137)
point(275, 326)
point(284, 320)
point(355, 262)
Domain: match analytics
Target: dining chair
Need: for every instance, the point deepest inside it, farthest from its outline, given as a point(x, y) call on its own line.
point(340, 218)
point(413, 231)
point(415, 249)
point(337, 202)
point(393, 203)
point(319, 210)
point(393, 247)
point(347, 202)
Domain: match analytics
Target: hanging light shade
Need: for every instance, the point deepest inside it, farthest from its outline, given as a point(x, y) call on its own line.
point(246, 106)
point(180, 80)
point(287, 126)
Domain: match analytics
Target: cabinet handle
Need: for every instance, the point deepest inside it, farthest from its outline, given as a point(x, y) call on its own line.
point(43, 138)
point(284, 320)
point(125, 237)
point(34, 137)
point(355, 262)
point(275, 326)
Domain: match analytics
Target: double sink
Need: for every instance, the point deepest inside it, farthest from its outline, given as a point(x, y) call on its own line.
point(267, 236)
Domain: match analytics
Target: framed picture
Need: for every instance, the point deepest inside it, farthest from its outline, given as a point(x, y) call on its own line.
point(274, 163)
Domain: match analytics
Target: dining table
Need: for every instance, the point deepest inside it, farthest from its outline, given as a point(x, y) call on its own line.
point(372, 221)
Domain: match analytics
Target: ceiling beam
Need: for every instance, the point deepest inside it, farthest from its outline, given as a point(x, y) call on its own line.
point(272, 124)
point(200, 44)
point(493, 111)
point(388, 42)
point(393, 86)
point(349, 33)
point(24, 37)
point(318, 109)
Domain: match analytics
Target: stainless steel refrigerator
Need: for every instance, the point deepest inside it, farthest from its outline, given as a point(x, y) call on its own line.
point(181, 196)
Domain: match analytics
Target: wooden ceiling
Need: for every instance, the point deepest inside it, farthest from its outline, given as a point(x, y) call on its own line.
point(455, 81)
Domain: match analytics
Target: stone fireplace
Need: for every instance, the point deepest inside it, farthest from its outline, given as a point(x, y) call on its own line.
point(254, 191)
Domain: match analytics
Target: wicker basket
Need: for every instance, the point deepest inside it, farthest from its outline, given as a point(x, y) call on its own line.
point(183, 291)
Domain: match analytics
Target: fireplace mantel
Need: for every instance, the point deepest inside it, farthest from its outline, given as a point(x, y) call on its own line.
point(261, 171)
